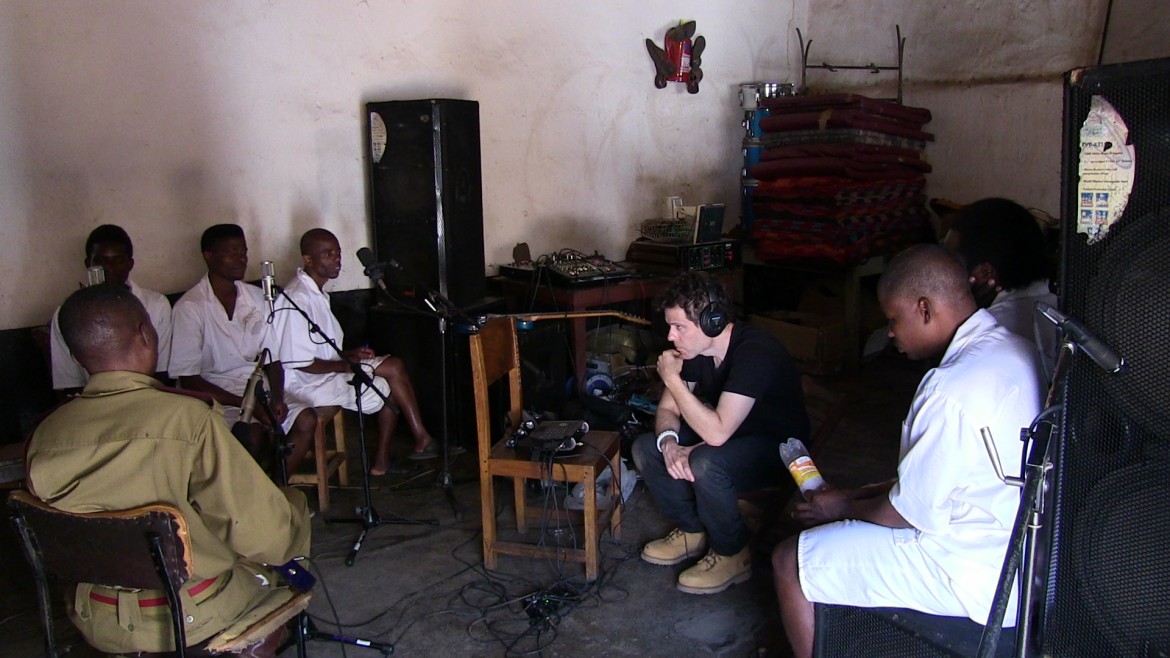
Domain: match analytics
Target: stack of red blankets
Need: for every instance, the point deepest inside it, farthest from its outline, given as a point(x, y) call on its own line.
point(841, 179)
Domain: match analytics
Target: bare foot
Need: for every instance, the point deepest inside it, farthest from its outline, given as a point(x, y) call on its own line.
point(378, 469)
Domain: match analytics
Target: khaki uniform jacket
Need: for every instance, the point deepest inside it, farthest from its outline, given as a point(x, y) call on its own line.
point(123, 443)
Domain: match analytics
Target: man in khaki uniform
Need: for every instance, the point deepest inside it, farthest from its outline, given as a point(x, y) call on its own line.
point(125, 443)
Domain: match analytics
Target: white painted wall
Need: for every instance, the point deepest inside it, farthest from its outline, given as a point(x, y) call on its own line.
point(166, 117)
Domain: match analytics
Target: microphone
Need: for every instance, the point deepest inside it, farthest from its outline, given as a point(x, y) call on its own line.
point(268, 283)
point(1097, 351)
point(248, 401)
point(373, 267)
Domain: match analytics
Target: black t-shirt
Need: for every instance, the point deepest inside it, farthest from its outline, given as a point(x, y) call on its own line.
point(756, 366)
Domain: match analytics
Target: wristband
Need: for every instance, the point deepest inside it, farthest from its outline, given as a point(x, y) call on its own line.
point(662, 435)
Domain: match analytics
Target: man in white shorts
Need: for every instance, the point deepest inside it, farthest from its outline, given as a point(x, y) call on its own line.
point(221, 327)
point(316, 373)
point(109, 247)
point(933, 539)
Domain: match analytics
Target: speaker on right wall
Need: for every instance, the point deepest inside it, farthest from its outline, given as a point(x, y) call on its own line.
point(1107, 579)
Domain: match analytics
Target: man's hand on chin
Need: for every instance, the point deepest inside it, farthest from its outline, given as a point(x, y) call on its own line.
point(670, 364)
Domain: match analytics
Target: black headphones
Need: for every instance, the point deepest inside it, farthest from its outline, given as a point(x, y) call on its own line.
point(713, 318)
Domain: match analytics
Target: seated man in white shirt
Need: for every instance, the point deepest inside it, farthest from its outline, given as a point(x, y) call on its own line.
point(935, 538)
point(316, 373)
point(1003, 248)
point(109, 247)
point(221, 327)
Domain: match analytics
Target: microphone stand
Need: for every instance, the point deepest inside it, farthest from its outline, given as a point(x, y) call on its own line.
point(281, 446)
point(446, 312)
point(368, 516)
point(1019, 565)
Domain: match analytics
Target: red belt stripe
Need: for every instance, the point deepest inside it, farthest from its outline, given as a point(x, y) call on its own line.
point(151, 603)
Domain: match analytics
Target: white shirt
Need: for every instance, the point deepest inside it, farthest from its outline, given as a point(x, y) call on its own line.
point(220, 350)
point(67, 373)
point(1016, 311)
point(299, 347)
point(947, 487)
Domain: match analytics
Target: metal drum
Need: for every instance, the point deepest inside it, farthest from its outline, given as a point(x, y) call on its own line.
point(753, 150)
point(751, 122)
point(776, 90)
point(751, 94)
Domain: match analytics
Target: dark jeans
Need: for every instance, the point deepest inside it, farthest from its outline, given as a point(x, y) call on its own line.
point(744, 463)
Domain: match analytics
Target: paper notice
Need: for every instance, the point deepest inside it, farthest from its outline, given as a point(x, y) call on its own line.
point(377, 137)
point(1107, 168)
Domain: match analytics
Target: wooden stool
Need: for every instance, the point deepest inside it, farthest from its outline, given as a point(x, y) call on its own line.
point(327, 461)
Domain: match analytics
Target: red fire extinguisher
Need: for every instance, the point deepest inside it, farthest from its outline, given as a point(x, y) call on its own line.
point(678, 51)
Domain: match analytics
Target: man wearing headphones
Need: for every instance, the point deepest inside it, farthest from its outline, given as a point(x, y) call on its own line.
point(732, 396)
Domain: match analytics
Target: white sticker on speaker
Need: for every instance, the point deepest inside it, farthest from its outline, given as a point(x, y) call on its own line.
point(377, 136)
point(1107, 166)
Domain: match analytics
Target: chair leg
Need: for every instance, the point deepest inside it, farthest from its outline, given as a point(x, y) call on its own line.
point(32, 554)
point(615, 490)
point(519, 494)
point(592, 561)
point(488, 507)
point(339, 442)
point(321, 456)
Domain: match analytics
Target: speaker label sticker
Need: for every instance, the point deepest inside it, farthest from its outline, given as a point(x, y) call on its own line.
point(377, 137)
point(1107, 167)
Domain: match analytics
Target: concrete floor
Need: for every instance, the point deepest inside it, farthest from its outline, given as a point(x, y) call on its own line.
point(424, 589)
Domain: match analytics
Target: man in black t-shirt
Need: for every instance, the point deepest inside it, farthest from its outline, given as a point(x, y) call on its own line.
point(732, 397)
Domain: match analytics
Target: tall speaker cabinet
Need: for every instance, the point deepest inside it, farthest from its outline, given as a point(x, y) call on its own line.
point(426, 196)
point(1107, 589)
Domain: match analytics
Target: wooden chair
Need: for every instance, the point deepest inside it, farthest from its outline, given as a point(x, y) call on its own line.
point(146, 547)
point(327, 461)
point(495, 356)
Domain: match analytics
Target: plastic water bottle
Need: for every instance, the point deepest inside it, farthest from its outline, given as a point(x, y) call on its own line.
point(800, 465)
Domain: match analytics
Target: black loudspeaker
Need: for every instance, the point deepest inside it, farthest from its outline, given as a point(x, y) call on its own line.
point(1107, 589)
point(426, 196)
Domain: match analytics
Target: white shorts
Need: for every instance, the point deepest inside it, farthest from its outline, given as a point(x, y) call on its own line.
point(334, 389)
point(871, 566)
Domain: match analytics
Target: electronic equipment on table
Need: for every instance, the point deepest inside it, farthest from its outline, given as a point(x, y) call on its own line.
point(669, 258)
point(568, 267)
point(549, 437)
point(688, 241)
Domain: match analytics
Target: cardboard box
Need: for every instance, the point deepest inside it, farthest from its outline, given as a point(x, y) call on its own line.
point(816, 341)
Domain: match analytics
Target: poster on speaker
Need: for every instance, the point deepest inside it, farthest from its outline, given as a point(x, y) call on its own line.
point(1107, 166)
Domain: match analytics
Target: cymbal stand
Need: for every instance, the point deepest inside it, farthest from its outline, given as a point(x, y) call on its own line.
point(368, 517)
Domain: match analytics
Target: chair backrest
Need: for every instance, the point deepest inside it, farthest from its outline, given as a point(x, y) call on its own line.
point(495, 355)
point(106, 548)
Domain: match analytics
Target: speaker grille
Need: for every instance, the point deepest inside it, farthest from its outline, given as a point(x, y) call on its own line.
point(1108, 592)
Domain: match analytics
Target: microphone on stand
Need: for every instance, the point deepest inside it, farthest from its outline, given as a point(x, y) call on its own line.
point(1097, 351)
point(241, 429)
point(374, 269)
point(268, 284)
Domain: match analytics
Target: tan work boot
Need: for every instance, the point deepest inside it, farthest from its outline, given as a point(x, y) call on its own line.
point(715, 573)
point(675, 547)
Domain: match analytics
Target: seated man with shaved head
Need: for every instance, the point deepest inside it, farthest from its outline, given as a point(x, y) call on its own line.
point(125, 442)
point(933, 539)
point(318, 376)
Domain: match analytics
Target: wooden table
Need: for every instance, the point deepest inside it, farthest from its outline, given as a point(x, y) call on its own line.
point(522, 295)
